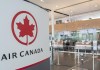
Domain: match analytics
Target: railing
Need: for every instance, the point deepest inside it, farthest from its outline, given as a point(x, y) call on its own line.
point(77, 55)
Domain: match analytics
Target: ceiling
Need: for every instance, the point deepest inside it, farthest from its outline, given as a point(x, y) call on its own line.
point(69, 7)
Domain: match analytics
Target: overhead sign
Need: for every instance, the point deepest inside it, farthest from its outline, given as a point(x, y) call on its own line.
point(24, 43)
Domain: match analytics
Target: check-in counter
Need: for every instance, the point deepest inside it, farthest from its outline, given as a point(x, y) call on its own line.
point(83, 46)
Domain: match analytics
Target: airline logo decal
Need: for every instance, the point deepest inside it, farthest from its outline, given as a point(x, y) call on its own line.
point(24, 28)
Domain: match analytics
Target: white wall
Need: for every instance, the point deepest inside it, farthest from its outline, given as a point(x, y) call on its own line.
point(9, 44)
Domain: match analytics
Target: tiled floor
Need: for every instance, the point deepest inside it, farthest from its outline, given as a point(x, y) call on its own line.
point(68, 62)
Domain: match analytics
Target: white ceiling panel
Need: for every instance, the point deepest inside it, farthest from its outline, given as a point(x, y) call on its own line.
point(70, 7)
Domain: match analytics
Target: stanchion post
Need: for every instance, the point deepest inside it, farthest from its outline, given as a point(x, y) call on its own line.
point(75, 56)
point(93, 60)
point(85, 50)
point(78, 57)
point(58, 63)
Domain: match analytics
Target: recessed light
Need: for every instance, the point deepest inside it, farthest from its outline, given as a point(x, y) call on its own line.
point(96, 6)
point(56, 5)
point(42, 0)
point(71, 11)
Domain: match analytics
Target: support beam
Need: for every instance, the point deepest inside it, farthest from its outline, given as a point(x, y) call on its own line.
point(48, 10)
point(75, 4)
point(52, 21)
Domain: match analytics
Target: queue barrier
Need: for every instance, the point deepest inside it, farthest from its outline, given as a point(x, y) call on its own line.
point(77, 55)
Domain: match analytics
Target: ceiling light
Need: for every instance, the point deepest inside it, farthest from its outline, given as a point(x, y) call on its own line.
point(71, 11)
point(42, 0)
point(96, 6)
point(56, 5)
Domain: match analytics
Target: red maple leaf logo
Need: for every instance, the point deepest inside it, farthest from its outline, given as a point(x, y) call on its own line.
point(25, 29)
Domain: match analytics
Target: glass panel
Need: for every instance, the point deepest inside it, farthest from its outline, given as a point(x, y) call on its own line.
point(84, 36)
point(90, 36)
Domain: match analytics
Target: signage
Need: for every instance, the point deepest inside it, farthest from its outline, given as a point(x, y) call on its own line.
point(94, 45)
point(26, 30)
point(24, 43)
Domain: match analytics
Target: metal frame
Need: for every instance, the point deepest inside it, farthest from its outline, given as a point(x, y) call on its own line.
point(93, 54)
